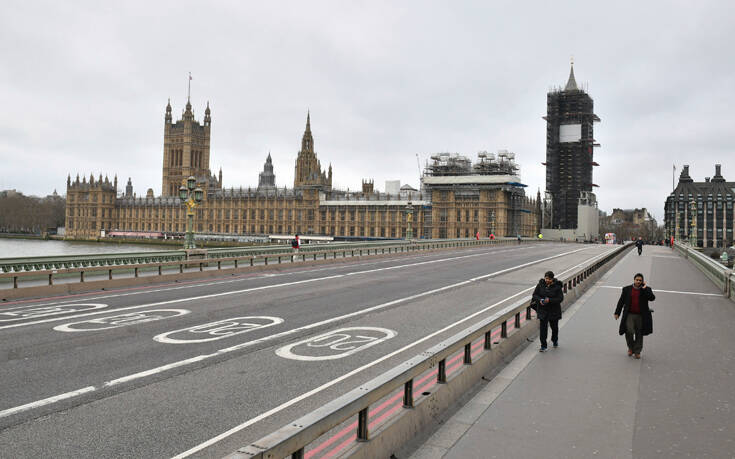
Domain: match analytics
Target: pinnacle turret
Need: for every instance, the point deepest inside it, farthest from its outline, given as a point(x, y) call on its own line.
point(572, 83)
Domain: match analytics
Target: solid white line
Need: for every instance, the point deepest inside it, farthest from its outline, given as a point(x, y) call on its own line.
point(160, 369)
point(252, 289)
point(45, 401)
point(317, 324)
point(308, 394)
point(668, 291)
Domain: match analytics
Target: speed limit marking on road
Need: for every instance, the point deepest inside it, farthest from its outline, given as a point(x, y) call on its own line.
point(217, 330)
point(336, 344)
point(47, 311)
point(121, 320)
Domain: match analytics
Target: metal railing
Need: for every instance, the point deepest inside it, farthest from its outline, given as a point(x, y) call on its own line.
point(721, 276)
point(52, 268)
point(293, 438)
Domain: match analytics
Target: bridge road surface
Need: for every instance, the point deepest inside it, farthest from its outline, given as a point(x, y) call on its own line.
point(589, 399)
point(80, 378)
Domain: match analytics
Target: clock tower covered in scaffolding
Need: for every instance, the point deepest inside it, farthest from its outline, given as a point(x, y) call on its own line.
point(569, 154)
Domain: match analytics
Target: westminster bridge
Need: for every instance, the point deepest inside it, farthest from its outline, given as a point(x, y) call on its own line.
point(418, 349)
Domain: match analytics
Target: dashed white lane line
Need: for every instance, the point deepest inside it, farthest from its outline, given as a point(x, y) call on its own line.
point(46, 401)
point(667, 291)
point(220, 352)
point(265, 287)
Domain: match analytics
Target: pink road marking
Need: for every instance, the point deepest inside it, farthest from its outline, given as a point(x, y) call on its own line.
point(373, 412)
point(373, 423)
point(451, 368)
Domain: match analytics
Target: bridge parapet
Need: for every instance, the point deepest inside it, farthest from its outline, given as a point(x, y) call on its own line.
point(721, 275)
point(24, 274)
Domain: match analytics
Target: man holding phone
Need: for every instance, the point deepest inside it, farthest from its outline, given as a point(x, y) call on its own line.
point(637, 320)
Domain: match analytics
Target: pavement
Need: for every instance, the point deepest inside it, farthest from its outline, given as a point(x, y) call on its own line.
point(589, 399)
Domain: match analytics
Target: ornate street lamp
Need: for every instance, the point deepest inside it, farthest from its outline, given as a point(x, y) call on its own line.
point(191, 196)
point(409, 218)
point(693, 223)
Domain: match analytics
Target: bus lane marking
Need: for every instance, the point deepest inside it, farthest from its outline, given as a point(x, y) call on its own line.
point(46, 311)
point(121, 320)
point(217, 330)
point(336, 344)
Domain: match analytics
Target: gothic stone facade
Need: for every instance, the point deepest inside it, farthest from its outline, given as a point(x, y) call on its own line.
point(311, 206)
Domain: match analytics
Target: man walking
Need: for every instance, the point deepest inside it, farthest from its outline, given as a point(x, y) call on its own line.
point(639, 244)
point(637, 320)
point(548, 296)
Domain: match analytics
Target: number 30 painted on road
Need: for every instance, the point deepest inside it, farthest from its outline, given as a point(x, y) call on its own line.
point(337, 344)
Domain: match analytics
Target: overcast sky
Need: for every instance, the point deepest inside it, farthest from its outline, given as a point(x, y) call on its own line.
point(84, 85)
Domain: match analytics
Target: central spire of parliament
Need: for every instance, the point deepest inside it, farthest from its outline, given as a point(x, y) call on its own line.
point(308, 168)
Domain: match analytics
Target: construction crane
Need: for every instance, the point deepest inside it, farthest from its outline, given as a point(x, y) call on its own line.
point(418, 164)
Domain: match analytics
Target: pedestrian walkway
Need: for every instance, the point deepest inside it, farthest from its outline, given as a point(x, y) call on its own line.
point(589, 399)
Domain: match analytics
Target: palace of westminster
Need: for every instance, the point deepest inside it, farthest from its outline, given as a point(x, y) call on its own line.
point(458, 198)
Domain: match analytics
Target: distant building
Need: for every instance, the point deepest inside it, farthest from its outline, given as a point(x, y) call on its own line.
point(392, 186)
point(569, 155)
point(485, 197)
point(701, 212)
point(630, 216)
point(631, 223)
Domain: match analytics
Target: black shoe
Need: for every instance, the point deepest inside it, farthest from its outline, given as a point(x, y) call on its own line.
point(543, 349)
point(556, 344)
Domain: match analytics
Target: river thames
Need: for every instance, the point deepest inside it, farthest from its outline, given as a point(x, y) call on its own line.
point(14, 248)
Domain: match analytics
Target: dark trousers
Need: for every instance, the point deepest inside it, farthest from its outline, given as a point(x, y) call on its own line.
point(633, 335)
point(544, 329)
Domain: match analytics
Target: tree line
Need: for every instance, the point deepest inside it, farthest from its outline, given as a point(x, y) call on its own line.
point(30, 214)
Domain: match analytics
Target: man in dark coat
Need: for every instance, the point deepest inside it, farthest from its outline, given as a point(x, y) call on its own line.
point(548, 296)
point(639, 245)
point(637, 320)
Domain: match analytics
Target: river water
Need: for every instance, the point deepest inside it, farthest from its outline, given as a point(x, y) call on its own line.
point(16, 248)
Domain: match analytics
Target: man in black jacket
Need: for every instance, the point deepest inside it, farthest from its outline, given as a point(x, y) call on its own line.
point(548, 296)
point(637, 320)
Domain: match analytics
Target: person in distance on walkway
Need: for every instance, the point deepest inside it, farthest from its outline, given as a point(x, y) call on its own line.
point(637, 320)
point(548, 296)
point(639, 244)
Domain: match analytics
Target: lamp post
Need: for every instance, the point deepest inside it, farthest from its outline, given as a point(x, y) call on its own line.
point(492, 222)
point(409, 218)
point(190, 195)
point(693, 223)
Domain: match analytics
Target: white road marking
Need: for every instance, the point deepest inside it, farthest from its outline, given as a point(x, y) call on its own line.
point(45, 401)
point(45, 311)
point(217, 330)
point(619, 287)
point(316, 390)
point(346, 341)
point(199, 358)
point(246, 277)
point(122, 320)
point(285, 284)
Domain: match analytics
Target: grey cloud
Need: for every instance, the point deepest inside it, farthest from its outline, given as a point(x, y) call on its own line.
point(85, 84)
